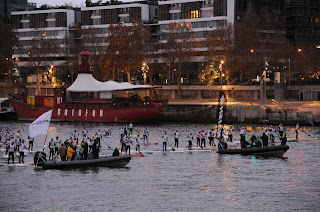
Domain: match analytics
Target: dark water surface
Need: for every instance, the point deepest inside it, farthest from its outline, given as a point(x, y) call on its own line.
point(176, 181)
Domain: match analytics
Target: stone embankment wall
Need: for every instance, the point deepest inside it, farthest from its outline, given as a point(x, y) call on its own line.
point(208, 113)
point(237, 114)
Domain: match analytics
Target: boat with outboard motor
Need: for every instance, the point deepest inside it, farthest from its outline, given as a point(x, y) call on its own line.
point(274, 151)
point(120, 161)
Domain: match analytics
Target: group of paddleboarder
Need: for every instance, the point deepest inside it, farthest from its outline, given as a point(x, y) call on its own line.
point(73, 149)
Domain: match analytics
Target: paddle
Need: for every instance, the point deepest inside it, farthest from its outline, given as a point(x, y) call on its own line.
point(105, 143)
point(173, 149)
point(135, 147)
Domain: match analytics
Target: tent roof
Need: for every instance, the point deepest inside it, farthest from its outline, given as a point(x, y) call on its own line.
point(87, 83)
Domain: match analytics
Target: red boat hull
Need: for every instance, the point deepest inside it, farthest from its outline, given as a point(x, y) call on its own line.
point(144, 111)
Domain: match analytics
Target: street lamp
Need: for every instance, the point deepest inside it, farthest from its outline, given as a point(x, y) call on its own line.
point(144, 70)
point(221, 69)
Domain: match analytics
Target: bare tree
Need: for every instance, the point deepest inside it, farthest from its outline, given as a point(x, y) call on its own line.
point(125, 49)
point(179, 47)
point(220, 44)
point(41, 52)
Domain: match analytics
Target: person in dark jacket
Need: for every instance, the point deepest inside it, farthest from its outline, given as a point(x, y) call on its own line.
point(62, 151)
point(264, 139)
point(116, 152)
point(284, 140)
point(95, 149)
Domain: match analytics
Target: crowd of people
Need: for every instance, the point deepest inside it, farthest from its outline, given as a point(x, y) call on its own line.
point(72, 149)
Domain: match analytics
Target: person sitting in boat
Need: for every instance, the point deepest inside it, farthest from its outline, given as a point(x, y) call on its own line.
point(116, 152)
point(95, 149)
point(70, 152)
point(255, 142)
point(222, 144)
point(62, 152)
point(264, 139)
point(284, 140)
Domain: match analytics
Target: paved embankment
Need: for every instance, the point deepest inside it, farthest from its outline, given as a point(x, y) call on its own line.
point(288, 112)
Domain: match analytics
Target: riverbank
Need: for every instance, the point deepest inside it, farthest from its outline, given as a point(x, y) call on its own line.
point(272, 112)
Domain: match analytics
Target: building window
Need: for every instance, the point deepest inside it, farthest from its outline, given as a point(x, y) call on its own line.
point(25, 25)
point(124, 19)
point(97, 21)
point(51, 23)
point(195, 14)
point(175, 16)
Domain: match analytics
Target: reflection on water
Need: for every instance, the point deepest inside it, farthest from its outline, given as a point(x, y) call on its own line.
point(197, 181)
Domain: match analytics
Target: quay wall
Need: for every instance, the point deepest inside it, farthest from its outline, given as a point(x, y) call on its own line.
point(201, 113)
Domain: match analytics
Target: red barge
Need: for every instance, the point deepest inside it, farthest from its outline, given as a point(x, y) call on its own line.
point(90, 100)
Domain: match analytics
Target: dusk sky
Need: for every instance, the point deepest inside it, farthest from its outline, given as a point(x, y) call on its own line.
point(77, 3)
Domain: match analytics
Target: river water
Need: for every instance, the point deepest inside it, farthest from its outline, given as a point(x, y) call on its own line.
point(176, 181)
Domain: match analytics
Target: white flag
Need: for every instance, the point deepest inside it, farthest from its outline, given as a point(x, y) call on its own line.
point(40, 125)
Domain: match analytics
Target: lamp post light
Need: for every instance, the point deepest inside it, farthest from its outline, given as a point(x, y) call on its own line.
point(221, 69)
point(144, 70)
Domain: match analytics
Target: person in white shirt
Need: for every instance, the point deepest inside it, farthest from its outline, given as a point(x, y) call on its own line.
point(121, 132)
point(130, 128)
point(281, 130)
point(99, 137)
point(51, 149)
point(272, 133)
point(31, 140)
point(84, 131)
point(211, 137)
point(21, 151)
point(164, 141)
point(176, 139)
point(17, 142)
point(123, 142)
point(203, 139)
point(264, 129)
point(128, 142)
point(91, 143)
point(11, 151)
point(190, 140)
point(243, 137)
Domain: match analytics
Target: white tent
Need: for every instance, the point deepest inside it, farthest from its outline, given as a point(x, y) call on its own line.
point(87, 83)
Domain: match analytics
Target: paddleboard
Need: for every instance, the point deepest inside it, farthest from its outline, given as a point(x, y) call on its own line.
point(137, 155)
point(146, 151)
point(16, 165)
point(152, 143)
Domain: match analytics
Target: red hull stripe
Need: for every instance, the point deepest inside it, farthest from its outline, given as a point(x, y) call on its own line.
point(151, 111)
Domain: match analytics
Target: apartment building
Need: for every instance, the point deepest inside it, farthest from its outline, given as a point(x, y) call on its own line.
point(38, 26)
point(98, 19)
point(200, 17)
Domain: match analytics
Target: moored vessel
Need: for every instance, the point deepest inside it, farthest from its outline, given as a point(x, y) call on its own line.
point(274, 151)
point(88, 99)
